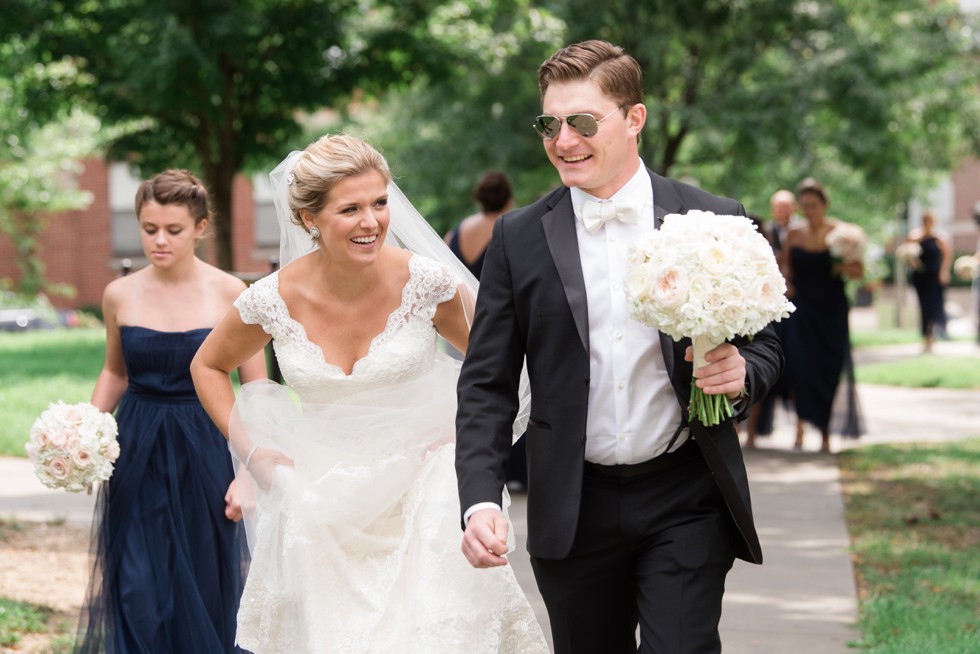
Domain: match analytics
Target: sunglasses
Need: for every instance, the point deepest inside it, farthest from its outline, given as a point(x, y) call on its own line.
point(548, 126)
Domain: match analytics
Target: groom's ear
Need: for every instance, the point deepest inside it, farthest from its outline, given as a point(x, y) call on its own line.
point(636, 116)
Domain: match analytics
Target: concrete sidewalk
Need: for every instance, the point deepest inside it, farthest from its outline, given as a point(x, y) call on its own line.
point(803, 598)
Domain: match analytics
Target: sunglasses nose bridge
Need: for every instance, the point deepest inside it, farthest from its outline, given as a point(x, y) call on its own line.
point(567, 130)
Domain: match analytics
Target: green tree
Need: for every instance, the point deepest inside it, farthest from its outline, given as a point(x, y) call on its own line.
point(442, 132)
point(748, 96)
point(223, 83)
point(38, 159)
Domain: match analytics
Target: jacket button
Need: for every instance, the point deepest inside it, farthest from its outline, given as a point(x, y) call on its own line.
point(587, 380)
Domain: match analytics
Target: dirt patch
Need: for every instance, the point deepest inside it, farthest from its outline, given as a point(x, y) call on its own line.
point(45, 564)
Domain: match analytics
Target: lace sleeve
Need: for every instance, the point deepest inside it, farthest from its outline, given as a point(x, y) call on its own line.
point(258, 304)
point(431, 284)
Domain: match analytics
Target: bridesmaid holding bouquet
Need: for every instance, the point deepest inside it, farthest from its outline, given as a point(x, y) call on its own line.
point(168, 569)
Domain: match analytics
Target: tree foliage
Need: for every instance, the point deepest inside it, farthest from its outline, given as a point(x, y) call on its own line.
point(221, 83)
point(443, 131)
point(40, 155)
point(747, 96)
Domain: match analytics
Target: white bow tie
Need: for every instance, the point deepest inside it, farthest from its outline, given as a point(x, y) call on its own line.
point(596, 214)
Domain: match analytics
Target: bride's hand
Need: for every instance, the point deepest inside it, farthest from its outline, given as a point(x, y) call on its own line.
point(263, 465)
point(233, 505)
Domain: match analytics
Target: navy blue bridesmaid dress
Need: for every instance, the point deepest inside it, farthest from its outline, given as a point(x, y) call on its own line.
point(925, 280)
point(818, 346)
point(169, 566)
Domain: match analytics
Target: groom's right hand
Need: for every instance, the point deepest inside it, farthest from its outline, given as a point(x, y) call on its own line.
point(485, 539)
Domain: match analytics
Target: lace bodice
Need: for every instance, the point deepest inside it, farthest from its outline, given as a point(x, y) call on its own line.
point(405, 349)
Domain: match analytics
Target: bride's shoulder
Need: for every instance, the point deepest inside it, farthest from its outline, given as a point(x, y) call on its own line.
point(258, 303)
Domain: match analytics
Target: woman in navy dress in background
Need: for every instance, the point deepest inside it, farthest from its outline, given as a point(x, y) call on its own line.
point(930, 278)
point(818, 346)
point(168, 568)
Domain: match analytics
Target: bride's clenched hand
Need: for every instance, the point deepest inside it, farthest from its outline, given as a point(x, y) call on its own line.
point(263, 463)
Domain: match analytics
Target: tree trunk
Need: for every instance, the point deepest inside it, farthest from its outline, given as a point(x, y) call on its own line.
point(219, 181)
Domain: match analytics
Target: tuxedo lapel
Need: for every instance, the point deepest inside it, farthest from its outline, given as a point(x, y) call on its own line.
point(559, 232)
point(666, 201)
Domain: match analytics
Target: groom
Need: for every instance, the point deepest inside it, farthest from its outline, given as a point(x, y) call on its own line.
point(634, 516)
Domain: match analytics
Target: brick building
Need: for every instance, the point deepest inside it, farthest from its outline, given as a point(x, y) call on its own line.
point(86, 248)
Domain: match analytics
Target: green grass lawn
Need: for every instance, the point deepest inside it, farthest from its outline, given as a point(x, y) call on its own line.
point(924, 371)
point(914, 520)
point(40, 367)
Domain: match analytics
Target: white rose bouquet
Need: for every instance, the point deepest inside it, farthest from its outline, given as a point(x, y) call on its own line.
point(966, 267)
point(908, 253)
point(847, 242)
point(72, 446)
point(708, 277)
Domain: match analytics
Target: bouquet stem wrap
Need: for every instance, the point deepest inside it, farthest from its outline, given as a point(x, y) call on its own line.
point(707, 409)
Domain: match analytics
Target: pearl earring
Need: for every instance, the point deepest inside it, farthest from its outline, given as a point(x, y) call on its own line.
point(314, 232)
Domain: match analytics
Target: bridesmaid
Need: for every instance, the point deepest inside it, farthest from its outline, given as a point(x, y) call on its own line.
point(931, 277)
point(168, 568)
point(818, 348)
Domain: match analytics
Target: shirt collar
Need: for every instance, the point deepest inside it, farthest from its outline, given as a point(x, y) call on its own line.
point(637, 192)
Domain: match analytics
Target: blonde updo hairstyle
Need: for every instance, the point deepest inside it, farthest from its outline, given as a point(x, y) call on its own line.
point(324, 163)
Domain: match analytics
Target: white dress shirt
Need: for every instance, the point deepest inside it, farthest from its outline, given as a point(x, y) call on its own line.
point(633, 411)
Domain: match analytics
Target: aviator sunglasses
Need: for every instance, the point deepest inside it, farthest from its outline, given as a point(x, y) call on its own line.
point(548, 126)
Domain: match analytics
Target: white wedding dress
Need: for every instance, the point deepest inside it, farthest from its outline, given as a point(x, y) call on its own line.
point(357, 548)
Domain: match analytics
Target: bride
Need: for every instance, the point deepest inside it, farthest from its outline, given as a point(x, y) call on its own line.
point(350, 493)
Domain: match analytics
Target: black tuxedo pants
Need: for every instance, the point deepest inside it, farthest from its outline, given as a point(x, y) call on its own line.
point(653, 547)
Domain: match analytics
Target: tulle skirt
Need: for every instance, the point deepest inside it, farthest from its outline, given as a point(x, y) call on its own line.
point(357, 547)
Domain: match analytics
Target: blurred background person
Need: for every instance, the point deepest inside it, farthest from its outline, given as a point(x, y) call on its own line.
point(761, 420)
point(469, 239)
point(930, 277)
point(782, 208)
point(817, 337)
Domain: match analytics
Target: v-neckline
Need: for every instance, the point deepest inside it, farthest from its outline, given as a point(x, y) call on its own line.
point(375, 341)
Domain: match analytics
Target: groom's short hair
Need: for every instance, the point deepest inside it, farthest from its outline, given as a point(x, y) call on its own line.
point(618, 74)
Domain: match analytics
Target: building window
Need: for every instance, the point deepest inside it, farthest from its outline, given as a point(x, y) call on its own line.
point(125, 227)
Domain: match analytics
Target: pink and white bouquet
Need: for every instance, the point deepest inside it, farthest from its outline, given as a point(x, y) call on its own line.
point(708, 277)
point(72, 446)
point(847, 242)
point(967, 267)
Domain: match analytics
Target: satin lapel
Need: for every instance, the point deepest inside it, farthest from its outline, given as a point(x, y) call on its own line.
point(666, 201)
point(666, 342)
point(559, 232)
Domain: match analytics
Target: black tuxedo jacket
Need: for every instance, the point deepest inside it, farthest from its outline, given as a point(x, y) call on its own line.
point(532, 303)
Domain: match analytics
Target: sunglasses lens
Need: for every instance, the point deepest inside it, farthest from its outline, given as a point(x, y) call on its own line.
point(547, 126)
point(584, 124)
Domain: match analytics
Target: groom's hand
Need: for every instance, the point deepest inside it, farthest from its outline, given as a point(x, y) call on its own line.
point(485, 539)
point(725, 372)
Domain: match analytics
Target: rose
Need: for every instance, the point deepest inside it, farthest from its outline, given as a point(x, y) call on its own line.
point(112, 450)
point(58, 439)
point(73, 415)
point(59, 468)
point(671, 288)
point(81, 458)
